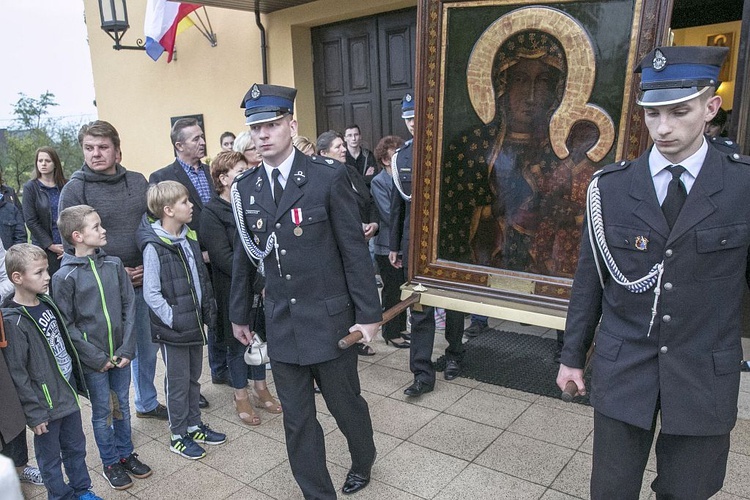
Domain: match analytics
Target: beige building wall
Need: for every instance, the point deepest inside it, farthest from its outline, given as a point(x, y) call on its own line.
point(138, 96)
point(698, 36)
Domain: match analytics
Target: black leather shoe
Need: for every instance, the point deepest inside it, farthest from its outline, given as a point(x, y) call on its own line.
point(354, 482)
point(406, 336)
point(221, 380)
point(452, 369)
point(159, 413)
point(203, 402)
point(418, 388)
point(403, 344)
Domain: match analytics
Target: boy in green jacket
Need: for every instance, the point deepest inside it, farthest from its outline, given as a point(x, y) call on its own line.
point(97, 302)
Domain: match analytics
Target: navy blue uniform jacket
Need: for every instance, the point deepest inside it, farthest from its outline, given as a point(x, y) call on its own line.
point(691, 360)
point(327, 281)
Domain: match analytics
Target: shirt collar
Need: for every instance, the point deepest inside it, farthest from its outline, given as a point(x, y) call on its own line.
point(692, 164)
point(188, 168)
point(284, 168)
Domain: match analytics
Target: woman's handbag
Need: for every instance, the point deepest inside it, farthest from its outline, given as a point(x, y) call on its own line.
point(256, 353)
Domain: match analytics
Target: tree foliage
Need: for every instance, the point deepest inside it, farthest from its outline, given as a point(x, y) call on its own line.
point(32, 128)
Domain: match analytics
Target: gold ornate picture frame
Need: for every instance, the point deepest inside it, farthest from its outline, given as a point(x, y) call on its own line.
point(520, 103)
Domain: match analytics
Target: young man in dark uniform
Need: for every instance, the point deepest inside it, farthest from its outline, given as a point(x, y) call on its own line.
point(297, 215)
point(422, 322)
point(674, 227)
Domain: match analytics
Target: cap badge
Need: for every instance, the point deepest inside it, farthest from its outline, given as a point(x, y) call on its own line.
point(255, 91)
point(641, 243)
point(659, 62)
point(408, 98)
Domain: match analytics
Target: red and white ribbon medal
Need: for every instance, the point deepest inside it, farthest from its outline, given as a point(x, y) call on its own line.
point(297, 219)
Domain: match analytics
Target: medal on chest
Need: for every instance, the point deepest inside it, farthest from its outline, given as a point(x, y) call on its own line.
point(297, 220)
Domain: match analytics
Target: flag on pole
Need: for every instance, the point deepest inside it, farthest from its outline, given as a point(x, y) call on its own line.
point(164, 20)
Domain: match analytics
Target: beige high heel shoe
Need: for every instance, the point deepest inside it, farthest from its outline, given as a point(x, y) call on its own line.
point(263, 399)
point(245, 411)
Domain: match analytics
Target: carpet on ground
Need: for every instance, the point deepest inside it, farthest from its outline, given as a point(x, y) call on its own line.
point(513, 360)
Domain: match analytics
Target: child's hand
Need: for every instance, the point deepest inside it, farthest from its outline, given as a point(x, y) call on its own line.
point(123, 362)
point(107, 367)
point(40, 429)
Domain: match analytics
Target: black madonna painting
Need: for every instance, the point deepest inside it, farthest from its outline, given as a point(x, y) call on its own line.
point(532, 95)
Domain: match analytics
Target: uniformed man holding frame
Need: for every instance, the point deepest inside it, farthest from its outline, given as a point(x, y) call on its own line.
point(297, 218)
point(664, 266)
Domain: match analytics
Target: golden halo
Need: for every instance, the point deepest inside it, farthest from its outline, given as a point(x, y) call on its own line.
point(579, 82)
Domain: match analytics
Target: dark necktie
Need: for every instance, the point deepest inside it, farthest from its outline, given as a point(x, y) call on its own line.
point(278, 189)
point(676, 195)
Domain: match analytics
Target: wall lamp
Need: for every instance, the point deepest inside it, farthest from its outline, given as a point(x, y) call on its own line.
point(114, 17)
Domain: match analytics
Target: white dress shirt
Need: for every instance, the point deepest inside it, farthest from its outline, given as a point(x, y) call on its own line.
point(661, 176)
point(285, 169)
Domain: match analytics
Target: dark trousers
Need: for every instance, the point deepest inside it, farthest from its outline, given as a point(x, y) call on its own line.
point(305, 443)
point(392, 280)
point(181, 387)
point(687, 467)
point(423, 339)
point(63, 444)
point(16, 449)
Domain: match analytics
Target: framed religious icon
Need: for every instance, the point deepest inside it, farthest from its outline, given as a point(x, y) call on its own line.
point(521, 102)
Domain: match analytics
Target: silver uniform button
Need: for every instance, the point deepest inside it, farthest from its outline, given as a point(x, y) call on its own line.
point(666, 318)
point(293, 301)
point(667, 286)
point(283, 251)
point(663, 349)
point(288, 277)
point(278, 225)
point(668, 253)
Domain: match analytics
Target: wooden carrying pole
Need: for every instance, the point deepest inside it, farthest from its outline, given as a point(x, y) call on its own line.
point(571, 389)
point(391, 313)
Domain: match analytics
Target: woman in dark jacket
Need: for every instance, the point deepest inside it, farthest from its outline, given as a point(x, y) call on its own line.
point(40, 204)
point(331, 144)
point(216, 234)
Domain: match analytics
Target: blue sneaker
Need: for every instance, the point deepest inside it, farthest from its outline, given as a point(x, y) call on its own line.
point(204, 434)
point(90, 495)
point(186, 447)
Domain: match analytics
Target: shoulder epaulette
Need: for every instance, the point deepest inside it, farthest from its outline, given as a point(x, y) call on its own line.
point(723, 144)
point(322, 160)
point(612, 167)
point(738, 158)
point(247, 172)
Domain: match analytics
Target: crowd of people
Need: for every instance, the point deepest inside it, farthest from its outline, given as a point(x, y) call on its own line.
point(272, 247)
point(113, 269)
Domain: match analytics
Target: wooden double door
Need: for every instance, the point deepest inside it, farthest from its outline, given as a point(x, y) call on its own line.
point(362, 69)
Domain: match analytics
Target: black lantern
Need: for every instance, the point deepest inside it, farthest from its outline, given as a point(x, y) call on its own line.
point(114, 17)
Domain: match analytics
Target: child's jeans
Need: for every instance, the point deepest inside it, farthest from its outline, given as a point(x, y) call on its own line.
point(63, 443)
point(113, 440)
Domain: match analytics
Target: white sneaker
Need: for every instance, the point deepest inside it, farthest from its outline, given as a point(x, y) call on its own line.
point(31, 475)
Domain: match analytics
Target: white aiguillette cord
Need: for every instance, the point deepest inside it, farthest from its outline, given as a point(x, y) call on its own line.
point(396, 179)
point(256, 254)
point(598, 242)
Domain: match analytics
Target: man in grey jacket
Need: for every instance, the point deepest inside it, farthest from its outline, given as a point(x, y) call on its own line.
point(119, 197)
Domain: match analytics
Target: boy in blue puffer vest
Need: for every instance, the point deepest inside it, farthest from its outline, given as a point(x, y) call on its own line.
point(177, 289)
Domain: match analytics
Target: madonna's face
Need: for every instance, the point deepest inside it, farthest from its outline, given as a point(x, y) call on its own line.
point(530, 89)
